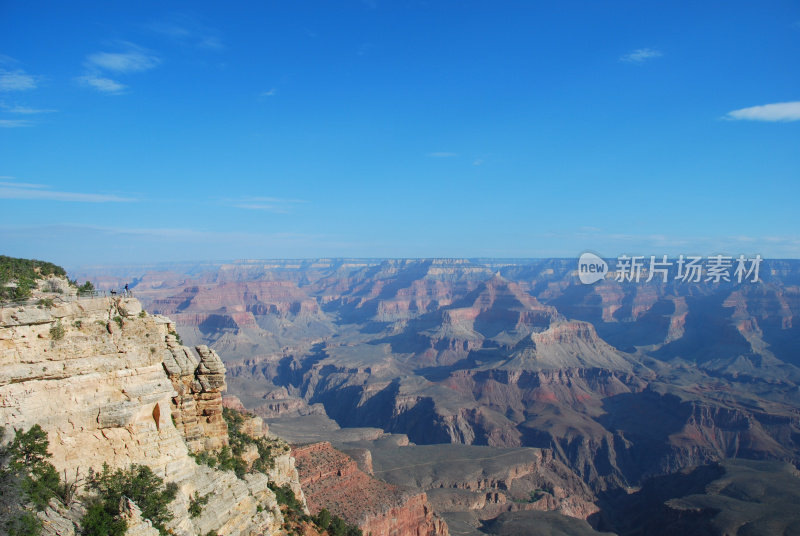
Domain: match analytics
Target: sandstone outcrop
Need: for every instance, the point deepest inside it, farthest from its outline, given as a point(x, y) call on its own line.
point(199, 380)
point(109, 384)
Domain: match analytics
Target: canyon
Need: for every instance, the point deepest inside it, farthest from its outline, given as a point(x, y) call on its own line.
point(615, 384)
point(112, 386)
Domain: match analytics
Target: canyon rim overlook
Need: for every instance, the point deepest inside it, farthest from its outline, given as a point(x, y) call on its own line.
point(415, 396)
point(400, 268)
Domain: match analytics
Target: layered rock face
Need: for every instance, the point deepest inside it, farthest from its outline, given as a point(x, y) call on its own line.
point(199, 382)
point(486, 481)
point(105, 380)
point(332, 480)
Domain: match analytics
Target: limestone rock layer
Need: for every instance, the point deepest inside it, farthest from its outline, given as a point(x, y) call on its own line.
point(110, 384)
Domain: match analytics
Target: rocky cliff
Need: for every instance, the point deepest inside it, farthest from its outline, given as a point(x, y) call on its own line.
point(332, 480)
point(111, 385)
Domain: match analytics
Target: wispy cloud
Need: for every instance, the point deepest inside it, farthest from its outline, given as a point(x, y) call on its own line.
point(76, 244)
point(9, 181)
point(276, 205)
point(640, 55)
point(15, 123)
point(187, 30)
point(270, 93)
point(442, 154)
point(612, 244)
point(134, 60)
point(210, 42)
point(23, 110)
point(777, 112)
point(477, 162)
point(102, 84)
point(41, 192)
point(17, 80)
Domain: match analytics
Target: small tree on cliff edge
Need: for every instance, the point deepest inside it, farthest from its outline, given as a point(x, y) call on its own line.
point(139, 484)
point(27, 479)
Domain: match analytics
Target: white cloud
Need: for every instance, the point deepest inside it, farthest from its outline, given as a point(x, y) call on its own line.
point(442, 154)
point(104, 85)
point(777, 112)
point(123, 62)
point(15, 123)
point(24, 190)
point(276, 200)
point(640, 55)
point(477, 162)
point(210, 42)
point(23, 110)
point(16, 80)
point(266, 208)
point(170, 29)
point(19, 184)
point(275, 205)
point(271, 93)
point(188, 30)
point(133, 60)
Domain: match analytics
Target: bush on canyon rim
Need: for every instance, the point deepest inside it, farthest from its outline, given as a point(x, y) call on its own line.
point(231, 459)
point(139, 484)
point(24, 273)
point(27, 479)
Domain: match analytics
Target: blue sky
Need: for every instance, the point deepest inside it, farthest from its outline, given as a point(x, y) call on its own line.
point(165, 131)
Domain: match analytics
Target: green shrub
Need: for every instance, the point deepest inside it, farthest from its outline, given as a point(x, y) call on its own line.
point(196, 504)
point(86, 288)
point(101, 520)
point(177, 337)
point(25, 524)
point(22, 292)
point(202, 458)
point(286, 498)
point(139, 484)
point(77, 324)
point(57, 331)
point(27, 482)
point(45, 302)
point(335, 525)
point(29, 456)
point(118, 320)
point(227, 461)
point(239, 441)
point(322, 519)
point(24, 272)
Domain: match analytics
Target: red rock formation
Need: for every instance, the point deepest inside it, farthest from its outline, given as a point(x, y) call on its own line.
point(332, 480)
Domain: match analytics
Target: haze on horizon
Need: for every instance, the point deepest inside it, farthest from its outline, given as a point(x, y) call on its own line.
point(144, 133)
